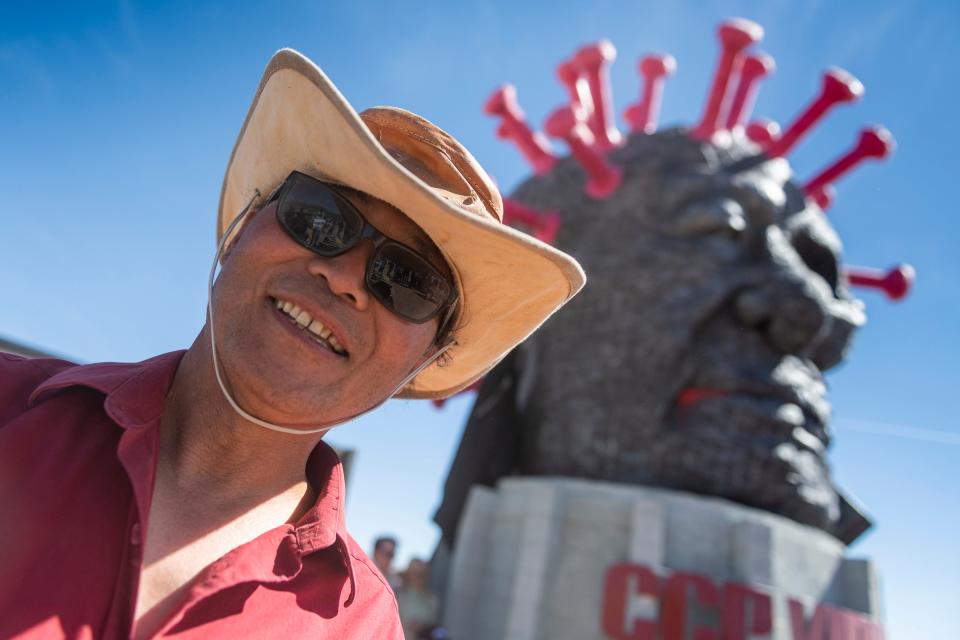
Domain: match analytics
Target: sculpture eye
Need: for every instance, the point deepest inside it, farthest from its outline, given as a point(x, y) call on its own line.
point(818, 257)
point(714, 215)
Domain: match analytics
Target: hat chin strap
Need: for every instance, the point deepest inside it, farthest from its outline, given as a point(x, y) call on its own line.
point(216, 361)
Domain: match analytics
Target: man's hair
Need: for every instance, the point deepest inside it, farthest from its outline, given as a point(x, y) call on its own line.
point(384, 540)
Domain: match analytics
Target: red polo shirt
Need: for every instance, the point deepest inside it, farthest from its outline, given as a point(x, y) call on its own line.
point(78, 451)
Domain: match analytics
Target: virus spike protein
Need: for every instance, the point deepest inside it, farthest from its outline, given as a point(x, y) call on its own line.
point(824, 197)
point(735, 35)
point(543, 226)
point(763, 132)
point(838, 87)
point(895, 283)
point(874, 142)
point(594, 61)
point(533, 146)
point(754, 68)
point(568, 72)
point(643, 115)
point(567, 123)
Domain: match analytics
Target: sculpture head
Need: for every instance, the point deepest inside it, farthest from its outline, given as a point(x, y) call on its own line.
point(694, 359)
point(716, 301)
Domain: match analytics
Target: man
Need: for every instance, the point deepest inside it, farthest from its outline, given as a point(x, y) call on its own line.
point(384, 549)
point(191, 495)
point(419, 606)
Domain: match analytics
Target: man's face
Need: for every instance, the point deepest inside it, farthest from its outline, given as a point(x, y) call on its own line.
point(285, 373)
point(694, 357)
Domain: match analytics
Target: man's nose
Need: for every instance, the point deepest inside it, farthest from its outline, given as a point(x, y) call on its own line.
point(345, 274)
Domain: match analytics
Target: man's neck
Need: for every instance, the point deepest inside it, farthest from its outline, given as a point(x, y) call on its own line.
point(207, 449)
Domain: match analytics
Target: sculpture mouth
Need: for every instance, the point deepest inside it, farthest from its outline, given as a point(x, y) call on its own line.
point(768, 411)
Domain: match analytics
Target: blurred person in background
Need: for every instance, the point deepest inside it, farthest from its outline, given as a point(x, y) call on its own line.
point(384, 550)
point(419, 606)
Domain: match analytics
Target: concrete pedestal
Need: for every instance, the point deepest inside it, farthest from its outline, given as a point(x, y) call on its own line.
point(534, 561)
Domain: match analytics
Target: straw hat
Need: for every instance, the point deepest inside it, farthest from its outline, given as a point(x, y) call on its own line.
point(509, 282)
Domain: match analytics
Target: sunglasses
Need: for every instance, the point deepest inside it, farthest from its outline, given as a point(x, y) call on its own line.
point(322, 220)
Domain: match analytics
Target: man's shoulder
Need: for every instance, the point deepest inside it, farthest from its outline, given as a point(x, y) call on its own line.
point(19, 376)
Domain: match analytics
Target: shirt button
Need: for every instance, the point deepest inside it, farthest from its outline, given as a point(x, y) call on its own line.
point(135, 534)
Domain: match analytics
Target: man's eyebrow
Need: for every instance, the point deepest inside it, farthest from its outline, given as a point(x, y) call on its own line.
point(419, 241)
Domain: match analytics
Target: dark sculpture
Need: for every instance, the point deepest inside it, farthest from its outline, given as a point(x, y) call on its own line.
point(716, 299)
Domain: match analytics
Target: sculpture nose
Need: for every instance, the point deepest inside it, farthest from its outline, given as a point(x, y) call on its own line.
point(787, 310)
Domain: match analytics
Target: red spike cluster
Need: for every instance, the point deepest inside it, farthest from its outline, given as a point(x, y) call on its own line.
point(588, 128)
point(513, 126)
point(654, 70)
point(735, 36)
point(568, 123)
point(895, 283)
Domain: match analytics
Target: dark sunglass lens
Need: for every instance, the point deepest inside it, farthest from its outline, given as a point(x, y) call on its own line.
point(406, 283)
point(319, 219)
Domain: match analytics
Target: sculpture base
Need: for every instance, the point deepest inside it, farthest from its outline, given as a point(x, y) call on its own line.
point(556, 558)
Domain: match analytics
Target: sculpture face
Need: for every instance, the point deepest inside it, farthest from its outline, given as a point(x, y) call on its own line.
point(693, 359)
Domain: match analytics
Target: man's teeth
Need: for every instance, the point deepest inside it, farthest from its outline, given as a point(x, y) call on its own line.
point(306, 321)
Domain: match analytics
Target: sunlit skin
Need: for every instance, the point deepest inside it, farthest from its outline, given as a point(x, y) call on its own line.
point(222, 481)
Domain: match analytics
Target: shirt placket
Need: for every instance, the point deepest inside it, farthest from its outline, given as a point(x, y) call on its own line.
point(119, 623)
point(137, 452)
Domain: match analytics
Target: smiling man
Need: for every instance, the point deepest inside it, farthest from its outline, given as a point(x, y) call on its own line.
point(191, 496)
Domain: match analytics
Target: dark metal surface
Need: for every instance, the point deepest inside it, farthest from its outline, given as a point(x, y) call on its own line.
point(693, 359)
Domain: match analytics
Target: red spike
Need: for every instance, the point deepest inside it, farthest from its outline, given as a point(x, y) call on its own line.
point(824, 197)
point(654, 69)
point(763, 132)
point(568, 72)
point(594, 62)
point(735, 35)
point(895, 283)
point(543, 226)
point(874, 142)
point(754, 68)
point(603, 178)
point(838, 87)
point(513, 126)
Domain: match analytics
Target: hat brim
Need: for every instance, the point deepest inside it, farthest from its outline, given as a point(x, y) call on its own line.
point(510, 283)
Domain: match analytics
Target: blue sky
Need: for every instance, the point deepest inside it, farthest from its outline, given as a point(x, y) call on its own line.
point(118, 118)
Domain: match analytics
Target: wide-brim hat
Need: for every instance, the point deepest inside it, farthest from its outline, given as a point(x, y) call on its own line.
point(509, 282)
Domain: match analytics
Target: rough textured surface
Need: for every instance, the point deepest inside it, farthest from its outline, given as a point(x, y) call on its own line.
point(708, 272)
point(532, 556)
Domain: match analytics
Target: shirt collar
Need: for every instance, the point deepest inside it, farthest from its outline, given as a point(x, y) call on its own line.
point(324, 524)
point(135, 394)
point(134, 391)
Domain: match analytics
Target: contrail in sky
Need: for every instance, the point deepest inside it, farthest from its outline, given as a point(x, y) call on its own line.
point(900, 431)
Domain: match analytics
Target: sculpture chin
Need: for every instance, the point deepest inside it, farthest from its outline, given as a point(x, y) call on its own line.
point(758, 450)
